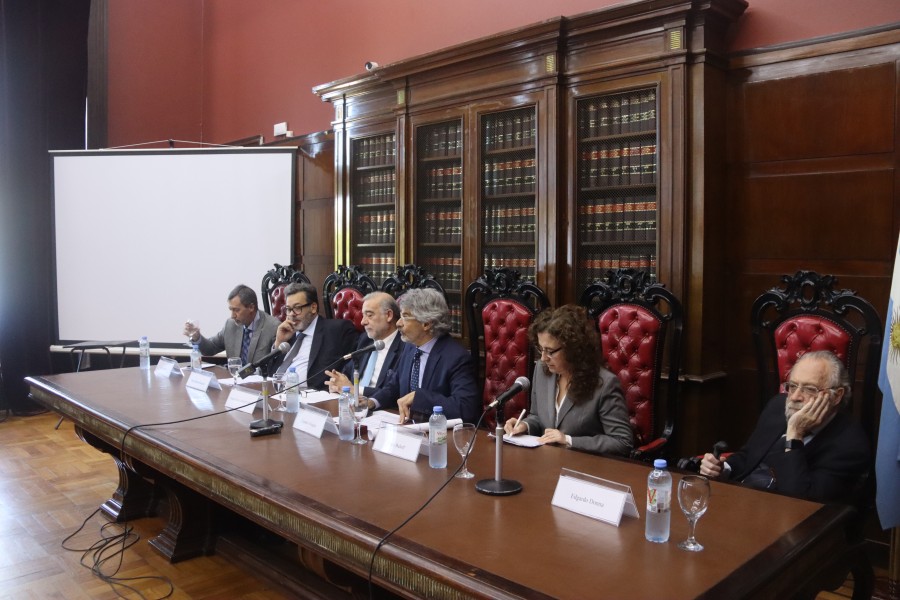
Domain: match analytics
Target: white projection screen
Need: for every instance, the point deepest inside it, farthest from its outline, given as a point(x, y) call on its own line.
point(147, 239)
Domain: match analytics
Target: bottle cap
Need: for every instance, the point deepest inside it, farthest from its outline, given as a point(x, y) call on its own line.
point(346, 388)
point(660, 463)
point(196, 346)
point(292, 370)
point(143, 338)
point(438, 409)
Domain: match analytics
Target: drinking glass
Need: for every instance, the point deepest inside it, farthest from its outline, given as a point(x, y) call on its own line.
point(196, 325)
point(693, 496)
point(463, 439)
point(234, 365)
point(359, 411)
point(278, 404)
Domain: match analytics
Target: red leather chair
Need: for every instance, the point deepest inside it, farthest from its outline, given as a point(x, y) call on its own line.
point(500, 307)
point(805, 314)
point(638, 320)
point(273, 284)
point(344, 291)
point(409, 277)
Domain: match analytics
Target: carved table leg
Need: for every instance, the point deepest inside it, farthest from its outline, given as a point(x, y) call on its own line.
point(189, 529)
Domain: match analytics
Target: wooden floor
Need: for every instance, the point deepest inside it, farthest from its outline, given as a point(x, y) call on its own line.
point(50, 481)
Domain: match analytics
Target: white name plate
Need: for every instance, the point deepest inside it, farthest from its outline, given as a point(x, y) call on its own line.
point(202, 380)
point(314, 421)
point(242, 399)
point(167, 367)
point(397, 441)
point(594, 497)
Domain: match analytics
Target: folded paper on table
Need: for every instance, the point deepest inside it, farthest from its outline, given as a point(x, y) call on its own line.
point(526, 441)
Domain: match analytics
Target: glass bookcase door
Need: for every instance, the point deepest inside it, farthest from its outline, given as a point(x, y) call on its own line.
point(373, 204)
point(617, 191)
point(508, 207)
point(439, 208)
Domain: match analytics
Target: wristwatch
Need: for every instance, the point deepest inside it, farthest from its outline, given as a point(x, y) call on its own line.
point(793, 444)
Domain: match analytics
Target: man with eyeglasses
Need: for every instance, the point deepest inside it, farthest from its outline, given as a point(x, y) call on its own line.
point(316, 343)
point(248, 334)
point(804, 444)
point(434, 369)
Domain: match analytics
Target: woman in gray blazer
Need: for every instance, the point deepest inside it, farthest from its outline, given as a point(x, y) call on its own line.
point(574, 400)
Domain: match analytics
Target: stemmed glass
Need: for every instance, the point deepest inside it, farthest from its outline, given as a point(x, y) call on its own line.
point(234, 365)
point(463, 439)
point(360, 411)
point(693, 496)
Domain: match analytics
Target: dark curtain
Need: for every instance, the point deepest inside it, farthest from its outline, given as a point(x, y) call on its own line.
point(43, 75)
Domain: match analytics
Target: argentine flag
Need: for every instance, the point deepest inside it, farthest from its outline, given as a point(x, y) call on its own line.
point(887, 461)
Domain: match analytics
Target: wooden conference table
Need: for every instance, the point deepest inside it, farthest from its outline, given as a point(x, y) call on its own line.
point(338, 500)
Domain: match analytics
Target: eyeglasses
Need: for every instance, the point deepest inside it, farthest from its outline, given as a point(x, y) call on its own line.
point(296, 309)
point(547, 351)
point(805, 390)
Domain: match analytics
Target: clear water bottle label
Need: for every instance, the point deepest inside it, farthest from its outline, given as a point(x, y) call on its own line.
point(658, 500)
point(439, 436)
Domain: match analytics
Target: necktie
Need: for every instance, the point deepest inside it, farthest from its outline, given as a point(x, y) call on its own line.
point(369, 370)
point(245, 345)
point(414, 376)
point(289, 357)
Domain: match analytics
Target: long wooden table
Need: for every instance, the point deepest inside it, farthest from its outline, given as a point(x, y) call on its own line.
point(338, 500)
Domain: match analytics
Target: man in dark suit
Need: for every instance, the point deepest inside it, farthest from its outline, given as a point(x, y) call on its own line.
point(316, 343)
point(434, 369)
point(379, 318)
point(804, 445)
point(248, 334)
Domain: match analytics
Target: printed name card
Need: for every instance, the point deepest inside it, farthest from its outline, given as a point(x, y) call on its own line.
point(202, 380)
point(167, 367)
point(397, 441)
point(314, 421)
point(594, 497)
point(242, 399)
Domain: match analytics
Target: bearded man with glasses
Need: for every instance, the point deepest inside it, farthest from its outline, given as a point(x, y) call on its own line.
point(805, 444)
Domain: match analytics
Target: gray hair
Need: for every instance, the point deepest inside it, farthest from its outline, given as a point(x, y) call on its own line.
point(245, 294)
point(312, 295)
point(426, 305)
point(838, 376)
point(386, 303)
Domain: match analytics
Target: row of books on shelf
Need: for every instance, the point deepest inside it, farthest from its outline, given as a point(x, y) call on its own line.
point(455, 317)
point(509, 176)
point(446, 269)
point(378, 265)
point(376, 150)
point(508, 131)
point(443, 182)
point(442, 226)
point(623, 113)
point(376, 227)
point(376, 186)
point(617, 163)
point(442, 140)
point(526, 266)
point(618, 219)
point(594, 268)
point(508, 223)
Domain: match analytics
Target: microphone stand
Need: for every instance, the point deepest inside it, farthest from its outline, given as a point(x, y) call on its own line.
point(498, 486)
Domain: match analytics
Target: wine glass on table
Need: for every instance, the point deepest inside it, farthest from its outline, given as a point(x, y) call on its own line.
point(693, 496)
point(463, 439)
point(234, 366)
point(360, 411)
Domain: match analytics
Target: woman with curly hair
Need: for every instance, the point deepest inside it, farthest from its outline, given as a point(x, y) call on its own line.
point(574, 400)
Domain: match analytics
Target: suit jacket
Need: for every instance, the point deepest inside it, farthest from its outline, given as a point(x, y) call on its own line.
point(333, 339)
point(830, 468)
point(448, 381)
point(597, 425)
point(232, 334)
point(387, 369)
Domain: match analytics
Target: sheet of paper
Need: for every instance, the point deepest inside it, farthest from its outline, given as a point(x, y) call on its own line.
point(526, 441)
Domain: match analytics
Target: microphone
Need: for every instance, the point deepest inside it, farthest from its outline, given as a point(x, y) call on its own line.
point(282, 348)
point(377, 345)
point(719, 448)
point(521, 384)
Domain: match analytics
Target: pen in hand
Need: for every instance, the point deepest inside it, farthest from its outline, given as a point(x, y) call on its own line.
point(516, 424)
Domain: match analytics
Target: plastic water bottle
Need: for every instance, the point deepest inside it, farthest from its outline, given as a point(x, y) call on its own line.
point(659, 502)
point(292, 395)
point(345, 417)
point(437, 439)
point(144, 346)
point(196, 361)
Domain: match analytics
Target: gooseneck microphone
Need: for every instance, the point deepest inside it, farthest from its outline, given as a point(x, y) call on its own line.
point(376, 346)
point(499, 486)
point(282, 348)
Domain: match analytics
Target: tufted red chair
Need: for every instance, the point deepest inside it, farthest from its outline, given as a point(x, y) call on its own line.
point(500, 308)
point(344, 291)
point(273, 284)
point(638, 319)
